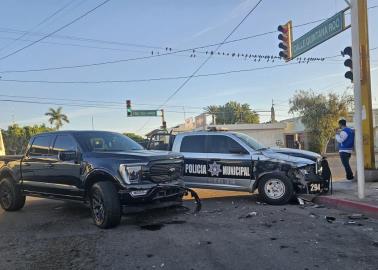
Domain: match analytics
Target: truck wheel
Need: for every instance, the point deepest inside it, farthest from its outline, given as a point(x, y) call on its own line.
point(105, 205)
point(11, 198)
point(275, 188)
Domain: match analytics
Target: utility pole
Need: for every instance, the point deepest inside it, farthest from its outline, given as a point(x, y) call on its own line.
point(163, 123)
point(362, 93)
point(183, 109)
point(367, 110)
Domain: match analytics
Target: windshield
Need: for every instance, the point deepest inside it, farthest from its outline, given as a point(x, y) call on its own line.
point(255, 145)
point(105, 142)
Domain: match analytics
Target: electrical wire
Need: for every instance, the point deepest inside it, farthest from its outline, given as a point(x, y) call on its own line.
point(150, 56)
point(36, 26)
point(56, 31)
point(149, 79)
point(154, 56)
point(175, 92)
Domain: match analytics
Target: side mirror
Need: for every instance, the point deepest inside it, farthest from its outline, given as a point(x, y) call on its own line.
point(67, 155)
point(238, 151)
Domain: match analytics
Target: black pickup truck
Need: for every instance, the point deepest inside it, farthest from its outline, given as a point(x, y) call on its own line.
point(106, 169)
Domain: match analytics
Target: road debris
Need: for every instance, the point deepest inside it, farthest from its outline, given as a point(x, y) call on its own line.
point(300, 201)
point(357, 217)
point(330, 219)
point(249, 215)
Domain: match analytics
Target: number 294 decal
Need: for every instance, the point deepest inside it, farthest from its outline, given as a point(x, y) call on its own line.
point(315, 187)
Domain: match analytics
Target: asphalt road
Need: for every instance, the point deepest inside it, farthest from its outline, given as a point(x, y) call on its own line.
point(58, 235)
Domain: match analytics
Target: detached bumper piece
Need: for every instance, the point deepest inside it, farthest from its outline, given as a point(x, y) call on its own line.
point(148, 195)
point(159, 196)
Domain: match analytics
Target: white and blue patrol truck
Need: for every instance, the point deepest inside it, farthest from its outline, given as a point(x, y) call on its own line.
point(234, 161)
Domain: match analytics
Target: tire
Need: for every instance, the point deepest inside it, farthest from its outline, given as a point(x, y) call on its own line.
point(11, 197)
point(275, 189)
point(105, 205)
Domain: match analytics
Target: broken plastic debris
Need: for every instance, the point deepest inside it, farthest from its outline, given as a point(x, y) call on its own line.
point(357, 216)
point(251, 214)
point(350, 222)
point(318, 206)
point(300, 201)
point(330, 219)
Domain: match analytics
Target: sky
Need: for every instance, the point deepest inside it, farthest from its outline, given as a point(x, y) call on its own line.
point(125, 29)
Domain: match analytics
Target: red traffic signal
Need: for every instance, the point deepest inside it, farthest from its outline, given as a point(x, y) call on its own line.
point(286, 39)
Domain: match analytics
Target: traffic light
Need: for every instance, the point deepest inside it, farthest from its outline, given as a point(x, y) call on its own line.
point(128, 107)
point(348, 63)
point(164, 126)
point(286, 39)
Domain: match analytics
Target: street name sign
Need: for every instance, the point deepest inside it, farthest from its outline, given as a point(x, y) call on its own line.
point(319, 34)
point(144, 113)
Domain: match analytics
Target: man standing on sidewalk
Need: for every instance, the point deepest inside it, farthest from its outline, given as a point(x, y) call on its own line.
point(345, 138)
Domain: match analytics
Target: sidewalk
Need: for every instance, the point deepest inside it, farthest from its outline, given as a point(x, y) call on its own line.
point(345, 197)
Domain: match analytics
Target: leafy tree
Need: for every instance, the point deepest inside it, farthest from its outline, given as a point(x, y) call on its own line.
point(16, 138)
point(212, 110)
point(233, 112)
point(320, 114)
point(134, 137)
point(57, 117)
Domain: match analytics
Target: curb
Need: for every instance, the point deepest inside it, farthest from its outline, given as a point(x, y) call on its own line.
point(348, 205)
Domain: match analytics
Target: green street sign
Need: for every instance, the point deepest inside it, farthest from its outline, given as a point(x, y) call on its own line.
point(319, 34)
point(144, 113)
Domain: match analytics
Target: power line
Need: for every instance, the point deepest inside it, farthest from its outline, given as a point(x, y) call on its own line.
point(150, 79)
point(150, 56)
point(260, 112)
point(56, 31)
point(36, 26)
point(206, 60)
point(99, 104)
point(158, 55)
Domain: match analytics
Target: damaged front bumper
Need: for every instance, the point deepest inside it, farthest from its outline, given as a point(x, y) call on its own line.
point(311, 183)
point(149, 196)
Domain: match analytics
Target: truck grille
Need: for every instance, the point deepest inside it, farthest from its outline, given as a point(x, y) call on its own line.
point(167, 171)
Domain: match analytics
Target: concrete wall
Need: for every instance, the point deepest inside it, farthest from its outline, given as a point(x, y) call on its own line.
point(268, 134)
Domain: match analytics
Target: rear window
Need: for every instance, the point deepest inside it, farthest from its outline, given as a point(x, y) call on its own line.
point(105, 142)
point(193, 144)
point(40, 145)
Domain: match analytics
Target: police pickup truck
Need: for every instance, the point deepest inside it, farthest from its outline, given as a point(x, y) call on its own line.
point(234, 161)
point(106, 169)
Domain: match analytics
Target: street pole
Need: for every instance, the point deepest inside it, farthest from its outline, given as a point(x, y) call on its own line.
point(357, 99)
point(367, 110)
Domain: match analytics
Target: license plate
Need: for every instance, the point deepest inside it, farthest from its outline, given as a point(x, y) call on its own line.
point(315, 187)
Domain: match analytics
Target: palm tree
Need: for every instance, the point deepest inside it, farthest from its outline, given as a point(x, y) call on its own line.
point(57, 117)
point(213, 111)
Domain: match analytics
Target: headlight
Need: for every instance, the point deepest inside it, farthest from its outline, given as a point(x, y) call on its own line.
point(130, 173)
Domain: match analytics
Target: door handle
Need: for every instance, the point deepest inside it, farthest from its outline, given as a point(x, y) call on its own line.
point(49, 165)
point(26, 164)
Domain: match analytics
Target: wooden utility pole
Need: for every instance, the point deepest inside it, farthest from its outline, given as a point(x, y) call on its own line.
point(367, 110)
